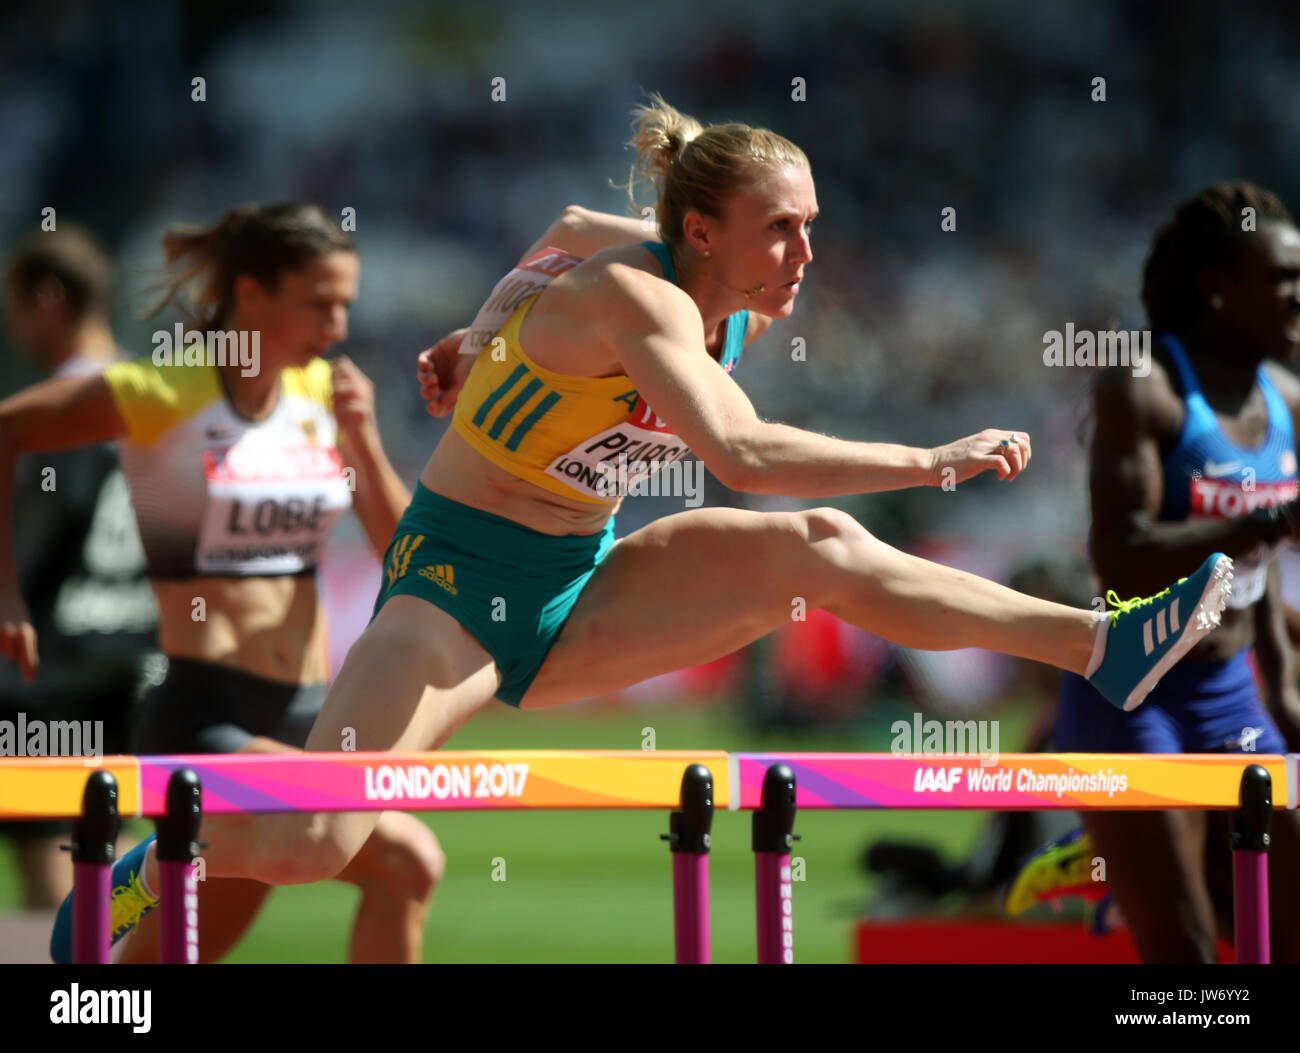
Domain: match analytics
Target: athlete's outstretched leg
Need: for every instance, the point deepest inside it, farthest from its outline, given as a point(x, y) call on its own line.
point(694, 586)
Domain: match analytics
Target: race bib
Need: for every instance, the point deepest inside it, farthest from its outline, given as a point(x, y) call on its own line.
point(1229, 499)
point(606, 465)
point(528, 279)
point(269, 509)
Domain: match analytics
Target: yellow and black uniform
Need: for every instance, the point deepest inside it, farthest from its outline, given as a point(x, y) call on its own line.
point(218, 495)
point(587, 438)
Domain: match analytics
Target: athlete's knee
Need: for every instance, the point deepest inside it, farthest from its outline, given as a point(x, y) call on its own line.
point(830, 545)
point(836, 540)
point(403, 858)
point(831, 524)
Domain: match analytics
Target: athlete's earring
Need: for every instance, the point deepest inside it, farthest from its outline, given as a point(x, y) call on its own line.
point(708, 254)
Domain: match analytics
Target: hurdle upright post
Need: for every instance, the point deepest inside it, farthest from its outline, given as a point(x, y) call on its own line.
point(1250, 843)
point(689, 840)
point(94, 841)
point(177, 848)
point(773, 837)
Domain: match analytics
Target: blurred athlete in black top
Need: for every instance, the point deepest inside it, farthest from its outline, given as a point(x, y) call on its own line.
point(79, 559)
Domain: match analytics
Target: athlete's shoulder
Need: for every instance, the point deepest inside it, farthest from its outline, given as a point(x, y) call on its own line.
point(1137, 405)
point(627, 284)
point(154, 396)
point(166, 379)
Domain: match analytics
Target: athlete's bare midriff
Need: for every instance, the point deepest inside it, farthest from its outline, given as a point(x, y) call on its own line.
point(272, 627)
point(459, 472)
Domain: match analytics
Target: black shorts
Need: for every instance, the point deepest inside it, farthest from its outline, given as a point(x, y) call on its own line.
point(205, 708)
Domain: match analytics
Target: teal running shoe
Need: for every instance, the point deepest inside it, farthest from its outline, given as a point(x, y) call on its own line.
point(1147, 637)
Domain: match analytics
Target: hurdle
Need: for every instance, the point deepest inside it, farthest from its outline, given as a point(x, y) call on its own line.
point(94, 836)
point(775, 786)
point(689, 839)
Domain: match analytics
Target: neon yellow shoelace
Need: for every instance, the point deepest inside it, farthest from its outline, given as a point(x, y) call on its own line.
point(130, 901)
point(1125, 606)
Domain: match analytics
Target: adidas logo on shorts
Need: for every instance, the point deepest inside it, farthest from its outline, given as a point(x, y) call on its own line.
point(441, 573)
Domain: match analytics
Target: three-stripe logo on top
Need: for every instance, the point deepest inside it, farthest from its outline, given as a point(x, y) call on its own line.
point(1161, 631)
point(511, 410)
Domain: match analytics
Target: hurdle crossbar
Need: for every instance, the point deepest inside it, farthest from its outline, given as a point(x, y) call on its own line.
point(447, 780)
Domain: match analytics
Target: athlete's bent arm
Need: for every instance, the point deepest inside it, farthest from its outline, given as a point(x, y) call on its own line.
point(59, 414)
point(584, 232)
point(656, 332)
point(1130, 549)
point(441, 371)
point(380, 497)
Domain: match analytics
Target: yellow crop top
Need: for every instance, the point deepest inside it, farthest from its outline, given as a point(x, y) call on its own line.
point(579, 437)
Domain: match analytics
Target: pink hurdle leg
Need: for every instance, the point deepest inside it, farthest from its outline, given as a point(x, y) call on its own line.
point(1250, 841)
point(691, 908)
point(94, 840)
point(773, 836)
point(178, 846)
point(91, 912)
point(689, 840)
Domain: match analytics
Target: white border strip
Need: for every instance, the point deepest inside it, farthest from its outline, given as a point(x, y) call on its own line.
point(1290, 761)
point(733, 782)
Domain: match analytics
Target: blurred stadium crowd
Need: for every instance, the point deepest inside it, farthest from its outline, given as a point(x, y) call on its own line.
point(913, 334)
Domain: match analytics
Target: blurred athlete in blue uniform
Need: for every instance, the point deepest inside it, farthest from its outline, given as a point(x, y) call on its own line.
point(1200, 457)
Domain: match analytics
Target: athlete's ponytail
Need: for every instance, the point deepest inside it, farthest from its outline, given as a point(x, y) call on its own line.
point(688, 166)
point(261, 241)
point(660, 133)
